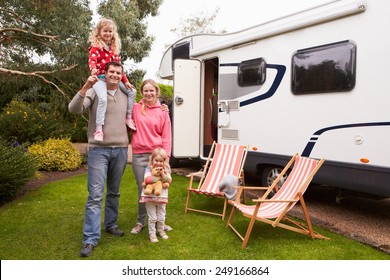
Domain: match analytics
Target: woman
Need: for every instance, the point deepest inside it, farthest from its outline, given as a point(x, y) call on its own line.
point(153, 131)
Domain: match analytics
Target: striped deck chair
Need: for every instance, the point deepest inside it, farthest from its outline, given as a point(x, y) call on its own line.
point(274, 210)
point(228, 160)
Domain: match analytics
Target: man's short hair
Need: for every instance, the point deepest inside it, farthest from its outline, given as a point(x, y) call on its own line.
point(114, 63)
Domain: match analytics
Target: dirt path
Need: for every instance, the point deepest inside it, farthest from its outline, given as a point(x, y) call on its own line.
point(47, 177)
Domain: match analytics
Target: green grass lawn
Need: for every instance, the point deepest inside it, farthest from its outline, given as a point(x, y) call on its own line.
point(46, 224)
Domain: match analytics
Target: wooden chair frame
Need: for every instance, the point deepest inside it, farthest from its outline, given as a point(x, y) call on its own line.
point(215, 192)
point(281, 220)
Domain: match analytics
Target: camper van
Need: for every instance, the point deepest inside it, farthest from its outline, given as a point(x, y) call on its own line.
point(315, 82)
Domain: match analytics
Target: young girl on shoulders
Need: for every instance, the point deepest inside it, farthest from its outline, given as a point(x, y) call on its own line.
point(157, 178)
point(105, 47)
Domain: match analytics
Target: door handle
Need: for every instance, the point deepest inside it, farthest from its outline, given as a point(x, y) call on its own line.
point(179, 100)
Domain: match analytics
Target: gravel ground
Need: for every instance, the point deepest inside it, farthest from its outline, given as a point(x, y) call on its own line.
point(360, 218)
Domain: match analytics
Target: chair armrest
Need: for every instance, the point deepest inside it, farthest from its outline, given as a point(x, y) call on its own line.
point(191, 176)
point(241, 190)
point(275, 200)
point(194, 174)
point(251, 188)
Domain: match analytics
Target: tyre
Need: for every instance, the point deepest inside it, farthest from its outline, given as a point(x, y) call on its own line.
point(173, 162)
point(270, 173)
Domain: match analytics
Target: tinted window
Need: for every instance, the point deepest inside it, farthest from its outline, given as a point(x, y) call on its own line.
point(181, 51)
point(327, 68)
point(252, 72)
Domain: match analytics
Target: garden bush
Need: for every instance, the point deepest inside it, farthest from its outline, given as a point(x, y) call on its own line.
point(79, 129)
point(28, 123)
point(16, 168)
point(56, 155)
point(166, 92)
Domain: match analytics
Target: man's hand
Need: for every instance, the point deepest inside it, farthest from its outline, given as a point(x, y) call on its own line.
point(88, 84)
point(164, 107)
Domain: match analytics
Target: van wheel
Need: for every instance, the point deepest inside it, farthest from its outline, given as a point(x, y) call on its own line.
point(269, 175)
point(173, 162)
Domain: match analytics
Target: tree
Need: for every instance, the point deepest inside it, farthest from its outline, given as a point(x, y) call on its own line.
point(201, 23)
point(43, 47)
point(41, 39)
point(46, 40)
point(136, 76)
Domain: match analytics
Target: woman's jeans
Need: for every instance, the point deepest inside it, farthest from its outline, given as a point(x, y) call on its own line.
point(105, 165)
point(139, 162)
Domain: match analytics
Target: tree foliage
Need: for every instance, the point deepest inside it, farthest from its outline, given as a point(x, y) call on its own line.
point(56, 29)
point(43, 44)
point(199, 23)
point(43, 47)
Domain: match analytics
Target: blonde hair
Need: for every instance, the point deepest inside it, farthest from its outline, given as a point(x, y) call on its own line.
point(162, 153)
point(157, 88)
point(94, 36)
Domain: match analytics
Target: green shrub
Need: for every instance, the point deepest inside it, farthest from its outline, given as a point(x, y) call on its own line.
point(16, 168)
point(25, 123)
point(166, 92)
point(79, 131)
point(56, 155)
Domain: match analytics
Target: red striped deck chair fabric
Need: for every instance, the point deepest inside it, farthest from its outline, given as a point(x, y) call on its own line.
point(274, 210)
point(228, 159)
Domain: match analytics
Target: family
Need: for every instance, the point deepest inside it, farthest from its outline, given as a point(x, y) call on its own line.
point(109, 98)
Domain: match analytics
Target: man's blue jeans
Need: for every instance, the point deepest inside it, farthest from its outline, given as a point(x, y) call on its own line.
point(105, 165)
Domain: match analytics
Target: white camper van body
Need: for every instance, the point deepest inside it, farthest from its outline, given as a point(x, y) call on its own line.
point(314, 82)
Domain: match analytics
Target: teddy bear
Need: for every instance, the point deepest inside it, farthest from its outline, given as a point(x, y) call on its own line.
point(157, 186)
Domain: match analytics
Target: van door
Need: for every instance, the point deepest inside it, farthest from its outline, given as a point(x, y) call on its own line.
point(186, 108)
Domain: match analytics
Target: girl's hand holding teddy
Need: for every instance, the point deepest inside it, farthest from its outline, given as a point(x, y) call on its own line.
point(154, 184)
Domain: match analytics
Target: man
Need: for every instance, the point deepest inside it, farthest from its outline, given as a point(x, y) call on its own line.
point(106, 159)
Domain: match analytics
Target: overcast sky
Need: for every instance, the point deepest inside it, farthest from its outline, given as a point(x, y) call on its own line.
point(232, 16)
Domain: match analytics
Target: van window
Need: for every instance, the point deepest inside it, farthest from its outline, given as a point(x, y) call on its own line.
point(181, 50)
point(251, 72)
point(327, 68)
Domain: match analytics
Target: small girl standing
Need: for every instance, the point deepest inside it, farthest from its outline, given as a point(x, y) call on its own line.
point(105, 47)
point(155, 203)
